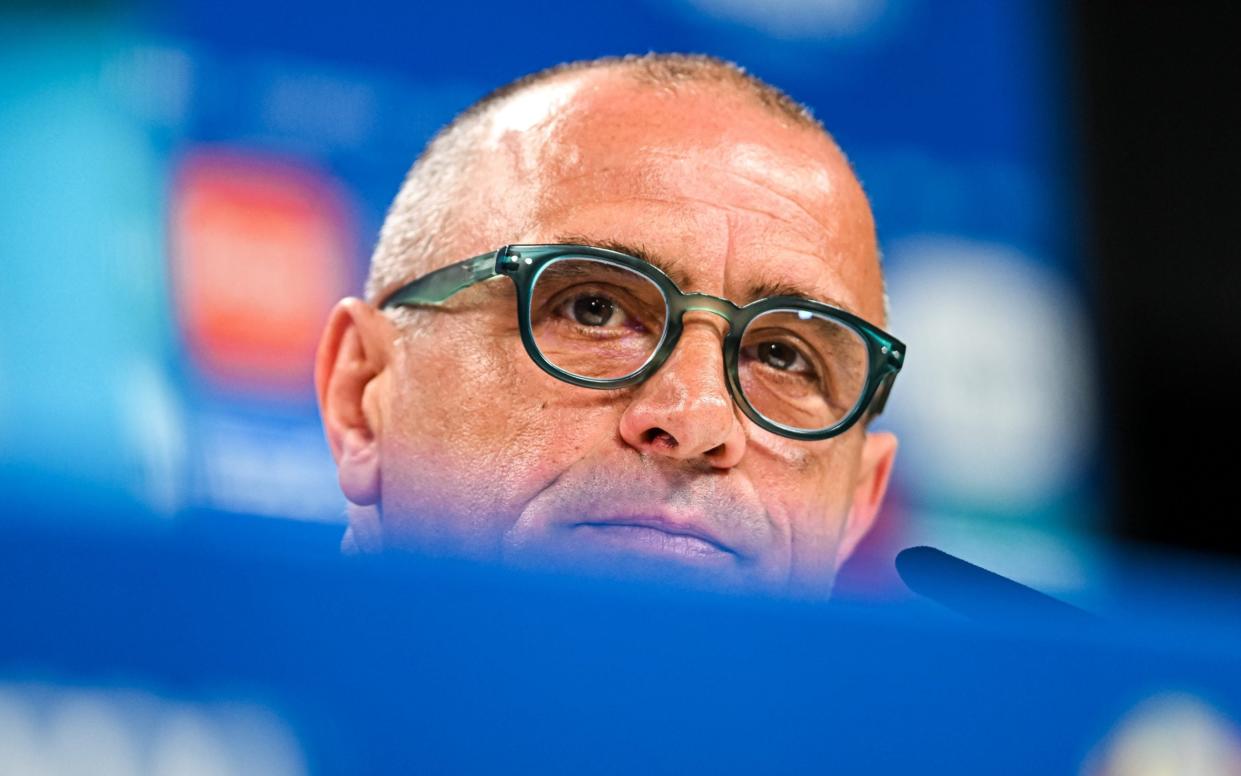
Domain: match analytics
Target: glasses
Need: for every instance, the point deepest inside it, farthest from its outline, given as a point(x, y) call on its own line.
point(603, 319)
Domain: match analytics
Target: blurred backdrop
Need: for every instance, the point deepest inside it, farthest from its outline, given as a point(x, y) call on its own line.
point(189, 187)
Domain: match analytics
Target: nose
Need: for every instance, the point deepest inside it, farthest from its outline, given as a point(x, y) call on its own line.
point(684, 411)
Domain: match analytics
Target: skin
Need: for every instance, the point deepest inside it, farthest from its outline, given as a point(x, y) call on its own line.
point(448, 438)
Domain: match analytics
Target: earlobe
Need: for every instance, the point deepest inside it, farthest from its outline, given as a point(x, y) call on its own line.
point(878, 453)
point(353, 354)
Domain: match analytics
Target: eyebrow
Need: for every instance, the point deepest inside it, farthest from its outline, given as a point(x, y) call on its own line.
point(759, 290)
point(773, 287)
point(664, 265)
point(638, 251)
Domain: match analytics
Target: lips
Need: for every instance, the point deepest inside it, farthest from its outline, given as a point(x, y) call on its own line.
point(656, 533)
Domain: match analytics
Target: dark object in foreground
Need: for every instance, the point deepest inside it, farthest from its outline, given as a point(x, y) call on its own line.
point(977, 593)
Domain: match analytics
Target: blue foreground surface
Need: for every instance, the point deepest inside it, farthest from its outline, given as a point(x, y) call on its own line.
point(402, 665)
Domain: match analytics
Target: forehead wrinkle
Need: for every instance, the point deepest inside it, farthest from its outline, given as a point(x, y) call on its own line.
point(681, 200)
point(682, 197)
point(771, 184)
point(582, 175)
point(817, 219)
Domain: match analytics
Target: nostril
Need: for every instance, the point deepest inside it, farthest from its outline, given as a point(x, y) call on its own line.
point(657, 437)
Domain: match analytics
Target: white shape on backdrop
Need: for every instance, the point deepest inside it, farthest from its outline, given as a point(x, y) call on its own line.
point(799, 18)
point(257, 468)
point(1169, 733)
point(994, 405)
point(51, 729)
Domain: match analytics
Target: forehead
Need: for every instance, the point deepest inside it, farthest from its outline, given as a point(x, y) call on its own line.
point(731, 197)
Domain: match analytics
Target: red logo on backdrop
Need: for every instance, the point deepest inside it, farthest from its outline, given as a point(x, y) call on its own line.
point(261, 250)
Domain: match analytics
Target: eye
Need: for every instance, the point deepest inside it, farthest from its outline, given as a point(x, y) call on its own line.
point(592, 309)
point(783, 357)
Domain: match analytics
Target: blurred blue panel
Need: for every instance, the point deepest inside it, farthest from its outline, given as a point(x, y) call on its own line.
point(397, 664)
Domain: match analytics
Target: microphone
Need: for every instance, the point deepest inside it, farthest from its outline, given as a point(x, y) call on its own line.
point(979, 594)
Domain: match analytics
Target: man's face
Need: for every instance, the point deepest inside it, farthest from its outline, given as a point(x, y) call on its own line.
point(472, 449)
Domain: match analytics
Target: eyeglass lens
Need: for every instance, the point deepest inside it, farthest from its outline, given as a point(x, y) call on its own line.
point(599, 320)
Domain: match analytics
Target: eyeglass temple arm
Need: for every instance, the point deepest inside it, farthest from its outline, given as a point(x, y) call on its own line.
point(881, 397)
point(436, 287)
point(895, 360)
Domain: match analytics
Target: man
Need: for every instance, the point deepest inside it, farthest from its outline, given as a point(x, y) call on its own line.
point(602, 407)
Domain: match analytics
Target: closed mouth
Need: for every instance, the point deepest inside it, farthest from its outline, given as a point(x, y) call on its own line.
point(656, 534)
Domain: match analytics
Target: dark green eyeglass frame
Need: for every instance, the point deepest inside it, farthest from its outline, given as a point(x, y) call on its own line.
point(523, 263)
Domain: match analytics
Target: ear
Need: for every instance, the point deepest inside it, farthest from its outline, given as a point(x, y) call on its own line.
point(878, 452)
point(353, 353)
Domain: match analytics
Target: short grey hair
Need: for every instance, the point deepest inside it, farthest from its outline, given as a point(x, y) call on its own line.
point(419, 222)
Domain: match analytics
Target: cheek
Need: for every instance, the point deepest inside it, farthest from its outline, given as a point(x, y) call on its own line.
point(447, 383)
point(809, 489)
point(475, 430)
